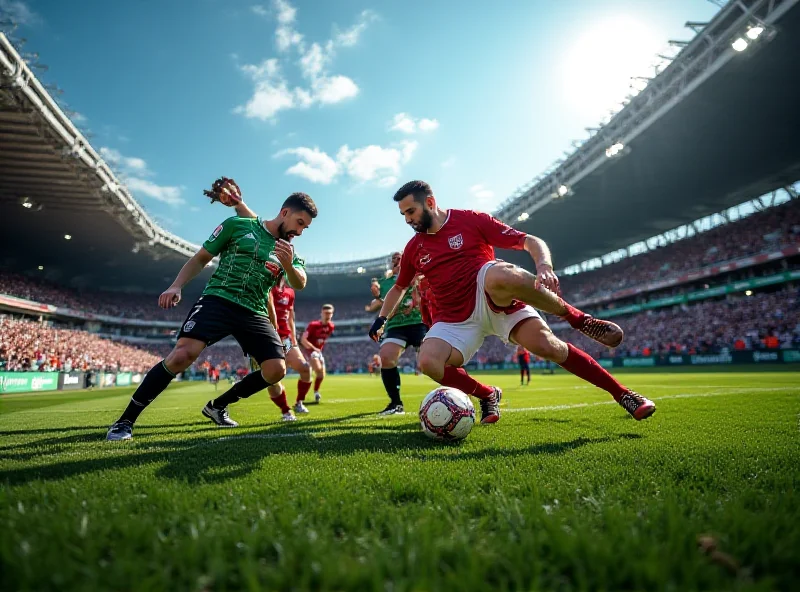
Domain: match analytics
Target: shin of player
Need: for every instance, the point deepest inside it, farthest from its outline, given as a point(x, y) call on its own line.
point(478, 296)
point(313, 341)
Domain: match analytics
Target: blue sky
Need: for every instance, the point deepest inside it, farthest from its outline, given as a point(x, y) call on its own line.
point(344, 100)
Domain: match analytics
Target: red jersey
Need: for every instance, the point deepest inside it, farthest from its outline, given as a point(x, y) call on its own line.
point(451, 258)
point(318, 333)
point(284, 303)
point(523, 354)
point(427, 305)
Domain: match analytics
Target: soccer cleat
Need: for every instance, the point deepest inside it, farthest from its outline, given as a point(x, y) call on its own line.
point(288, 416)
point(393, 409)
point(121, 430)
point(300, 408)
point(605, 332)
point(490, 407)
point(219, 416)
point(638, 406)
point(317, 397)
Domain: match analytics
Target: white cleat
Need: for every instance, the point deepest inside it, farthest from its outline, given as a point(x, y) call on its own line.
point(300, 408)
point(317, 397)
point(288, 416)
point(219, 416)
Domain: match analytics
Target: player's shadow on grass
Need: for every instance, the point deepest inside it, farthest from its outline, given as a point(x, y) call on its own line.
point(200, 461)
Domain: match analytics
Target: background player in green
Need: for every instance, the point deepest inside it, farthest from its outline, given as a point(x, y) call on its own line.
point(404, 329)
point(254, 254)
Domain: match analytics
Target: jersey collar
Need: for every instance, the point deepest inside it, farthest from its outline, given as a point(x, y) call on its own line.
point(443, 223)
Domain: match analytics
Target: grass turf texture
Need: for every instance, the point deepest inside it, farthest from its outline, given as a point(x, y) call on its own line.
point(566, 492)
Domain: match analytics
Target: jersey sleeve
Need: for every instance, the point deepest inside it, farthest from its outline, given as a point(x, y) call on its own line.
point(298, 262)
point(407, 269)
point(499, 234)
point(219, 238)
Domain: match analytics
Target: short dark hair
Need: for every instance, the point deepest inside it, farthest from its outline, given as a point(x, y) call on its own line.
point(301, 202)
point(327, 307)
point(419, 189)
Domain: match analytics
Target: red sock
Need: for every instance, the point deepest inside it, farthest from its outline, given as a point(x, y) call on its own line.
point(574, 316)
point(458, 378)
point(317, 382)
point(280, 401)
point(302, 389)
point(584, 366)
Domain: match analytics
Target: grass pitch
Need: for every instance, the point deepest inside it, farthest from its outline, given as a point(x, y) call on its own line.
point(566, 492)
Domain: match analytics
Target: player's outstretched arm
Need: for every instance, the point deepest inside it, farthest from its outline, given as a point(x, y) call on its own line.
point(392, 299)
point(306, 343)
point(243, 211)
point(540, 253)
point(172, 296)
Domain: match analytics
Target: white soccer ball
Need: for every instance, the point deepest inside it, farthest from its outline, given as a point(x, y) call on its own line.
point(446, 414)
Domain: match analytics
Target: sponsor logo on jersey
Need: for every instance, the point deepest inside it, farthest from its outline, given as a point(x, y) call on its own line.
point(249, 235)
point(284, 301)
point(424, 259)
point(188, 326)
point(456, 242)
point(216, 232)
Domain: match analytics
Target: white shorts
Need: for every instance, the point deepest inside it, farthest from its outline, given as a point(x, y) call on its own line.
point(467, 337)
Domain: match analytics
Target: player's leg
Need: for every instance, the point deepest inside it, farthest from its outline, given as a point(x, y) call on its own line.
point(259, 339)
point(390, 351)
point(157, 379)
point(441, 358)
point(506, 282)
point(521, 373)
point(317, 363)
point(534, 335)
point(297, 362)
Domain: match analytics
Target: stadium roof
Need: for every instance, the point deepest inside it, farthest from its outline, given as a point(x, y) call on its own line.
point(715, 128)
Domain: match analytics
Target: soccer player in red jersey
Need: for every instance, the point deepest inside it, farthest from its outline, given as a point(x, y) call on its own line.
point(313, 342)
point(524, 359)
point(477, 296)
point(283, 299)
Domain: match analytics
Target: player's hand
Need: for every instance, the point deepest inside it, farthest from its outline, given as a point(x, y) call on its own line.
point(170, 297)
point(375, 289)
point(284, 252)
point(376, 330)
point(225, 191)
point(546, 277)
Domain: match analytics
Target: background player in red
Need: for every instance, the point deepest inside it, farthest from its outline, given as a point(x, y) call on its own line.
point(283, 300)
point(313, 342)
point(524, 360)
point(477, 296)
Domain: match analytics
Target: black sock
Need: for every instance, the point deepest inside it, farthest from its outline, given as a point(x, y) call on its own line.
point(391, 382)
point(246, 387)
point(155, 381)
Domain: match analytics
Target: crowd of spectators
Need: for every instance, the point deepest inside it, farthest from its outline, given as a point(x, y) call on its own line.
point(769, 230)
point(764, 320)
point(27, 345)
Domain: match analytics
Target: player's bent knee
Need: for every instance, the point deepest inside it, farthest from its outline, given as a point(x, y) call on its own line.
point(431, 367)
point(180, 359)
point(273, 371)
point(275, 390)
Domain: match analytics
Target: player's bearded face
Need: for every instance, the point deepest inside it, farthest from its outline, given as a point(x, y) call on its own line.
point(425, 220)
point(292, 224)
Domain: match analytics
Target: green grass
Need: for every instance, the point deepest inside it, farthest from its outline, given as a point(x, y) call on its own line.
point(566, 492)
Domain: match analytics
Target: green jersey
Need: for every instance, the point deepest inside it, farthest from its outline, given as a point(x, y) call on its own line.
point(407, 313)
point(245, 273)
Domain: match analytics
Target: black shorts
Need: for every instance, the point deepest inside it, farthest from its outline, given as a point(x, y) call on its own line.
point(523, 365)
point(406, 335)
point(213, 318)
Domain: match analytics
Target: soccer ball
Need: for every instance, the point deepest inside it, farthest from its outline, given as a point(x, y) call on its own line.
point(446, 414)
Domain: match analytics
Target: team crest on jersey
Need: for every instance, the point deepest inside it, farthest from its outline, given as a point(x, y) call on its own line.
point(216, 232)
point(456, 242)
point(188, 326)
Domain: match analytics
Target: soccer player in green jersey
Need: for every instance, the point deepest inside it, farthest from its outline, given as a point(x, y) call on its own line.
point(253, 255)
point(404, 329)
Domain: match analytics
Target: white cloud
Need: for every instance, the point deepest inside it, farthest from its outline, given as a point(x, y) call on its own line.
point(449, 162)
point(481, 194)
point(372, 163)
point(405, 123)
point(315, 165)
point(18, 12)
point(272, 92)
point(286, 13)
point(168, 195)
point(334, 89)
point(259, 10)
point(350, 37)
point(78, 117)
point(126, 164)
